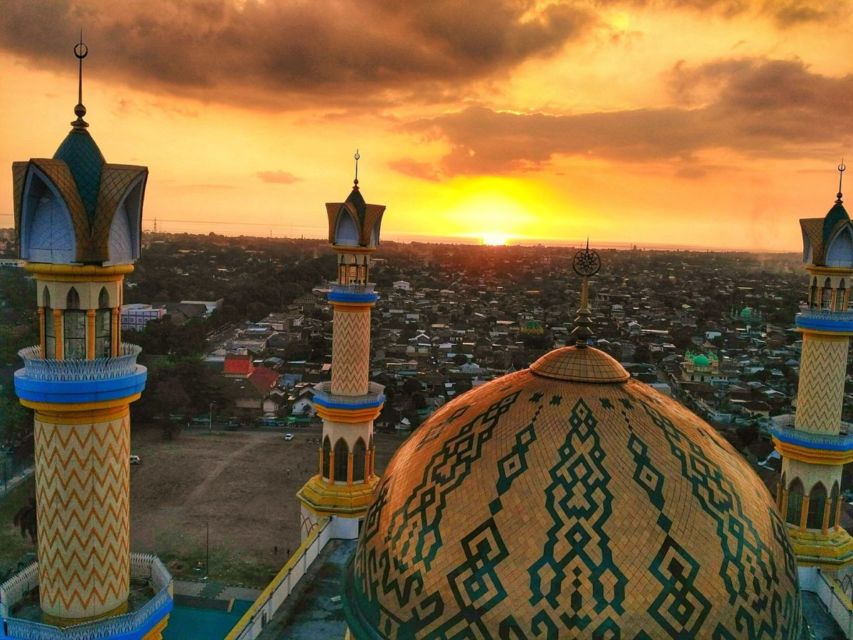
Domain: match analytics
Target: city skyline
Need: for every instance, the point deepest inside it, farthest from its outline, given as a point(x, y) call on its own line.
point(710, 123)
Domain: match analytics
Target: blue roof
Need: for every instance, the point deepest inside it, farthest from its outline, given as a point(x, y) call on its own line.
point(86, 162)
point(835, 215)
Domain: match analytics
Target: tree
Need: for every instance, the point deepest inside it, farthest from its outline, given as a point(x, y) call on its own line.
point(25, 519)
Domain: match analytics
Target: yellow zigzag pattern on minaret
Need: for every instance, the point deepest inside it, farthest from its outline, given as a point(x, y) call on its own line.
point(823, 369)
point(351, 352)
point(82, 491)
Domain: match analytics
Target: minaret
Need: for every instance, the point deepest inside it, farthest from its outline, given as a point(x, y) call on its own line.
point(349, 403)
point(78, 223)
point(815, 449)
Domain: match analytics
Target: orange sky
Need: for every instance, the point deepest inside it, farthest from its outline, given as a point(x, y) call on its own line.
point(713, 123)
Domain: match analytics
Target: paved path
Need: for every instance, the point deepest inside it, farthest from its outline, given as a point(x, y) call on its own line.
point(823, 626)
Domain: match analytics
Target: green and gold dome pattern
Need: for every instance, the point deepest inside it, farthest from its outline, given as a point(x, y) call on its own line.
point(567, 501)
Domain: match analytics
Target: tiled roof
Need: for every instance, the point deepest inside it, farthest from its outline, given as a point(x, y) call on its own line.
point(537, 506)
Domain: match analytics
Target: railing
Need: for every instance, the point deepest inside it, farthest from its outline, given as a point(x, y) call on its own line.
point(841, 441)
point(374, 395)
point(832, 595)
point(262, 610)
point(826, 314)
point(142, 566)
point(38, 368)
point(352, 288)
point(15, 588)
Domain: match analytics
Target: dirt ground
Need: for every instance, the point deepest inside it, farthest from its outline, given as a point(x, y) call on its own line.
point(242, 485)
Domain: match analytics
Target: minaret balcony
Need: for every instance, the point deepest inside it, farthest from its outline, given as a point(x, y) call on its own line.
point(350, 409)
point(823, 320)
point(77, 380)
point(149, 604)
point(814, 448)
point(352, 293)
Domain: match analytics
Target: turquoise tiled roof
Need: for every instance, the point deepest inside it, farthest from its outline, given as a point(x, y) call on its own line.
point(82, 155)
point(833, 217)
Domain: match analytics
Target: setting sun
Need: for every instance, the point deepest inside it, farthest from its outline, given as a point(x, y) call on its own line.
point(494, 239)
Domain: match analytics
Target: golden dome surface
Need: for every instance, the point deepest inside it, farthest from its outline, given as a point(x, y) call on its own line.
point(537, 506)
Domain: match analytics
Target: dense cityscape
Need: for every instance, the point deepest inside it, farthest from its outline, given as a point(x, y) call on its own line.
point(237, 331)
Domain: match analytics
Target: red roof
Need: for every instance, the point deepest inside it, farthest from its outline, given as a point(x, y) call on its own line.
point(237, 365)
point(263, 378)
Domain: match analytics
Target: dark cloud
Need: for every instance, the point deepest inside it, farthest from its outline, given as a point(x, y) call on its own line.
point(755, 107)
point(785, 13)
point(277, 177)
point(283, 52)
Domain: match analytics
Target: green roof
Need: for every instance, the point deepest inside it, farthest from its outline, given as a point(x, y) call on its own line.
point(701, 361)
point(86, 162)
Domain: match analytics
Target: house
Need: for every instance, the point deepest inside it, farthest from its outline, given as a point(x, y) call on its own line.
point(237, 365)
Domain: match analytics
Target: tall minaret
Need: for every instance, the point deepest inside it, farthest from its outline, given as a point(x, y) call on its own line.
point(815, 449)
point(78, 222)
point(348, 405)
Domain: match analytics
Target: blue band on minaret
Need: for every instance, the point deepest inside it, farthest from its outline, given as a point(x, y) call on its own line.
point(829, 321)
point(353, 297)
point(79, 391)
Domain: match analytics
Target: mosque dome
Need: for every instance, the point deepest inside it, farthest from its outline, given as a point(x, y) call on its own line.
point(568, 500)
point(746, 313)
point(701, 361)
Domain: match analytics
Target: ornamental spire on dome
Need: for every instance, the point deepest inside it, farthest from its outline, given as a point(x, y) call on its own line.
point(357, 157)
point(80, 52)
point(586, 263)
point(841, 169)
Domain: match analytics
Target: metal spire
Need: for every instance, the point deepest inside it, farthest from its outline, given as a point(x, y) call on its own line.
point(841, 169)
point(357, 157)
point(80, 52)
point(586, 263)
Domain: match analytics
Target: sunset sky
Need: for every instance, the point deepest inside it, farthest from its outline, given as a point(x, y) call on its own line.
point(709, 123)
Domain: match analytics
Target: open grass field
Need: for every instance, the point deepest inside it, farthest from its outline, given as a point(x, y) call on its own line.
point(241, 485)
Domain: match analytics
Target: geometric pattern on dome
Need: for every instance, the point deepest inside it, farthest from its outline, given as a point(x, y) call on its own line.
point(536, 508)
point(580, 365)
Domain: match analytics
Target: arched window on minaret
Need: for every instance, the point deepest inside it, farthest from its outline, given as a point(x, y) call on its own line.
point(795, 502)
point(813, 294)
point(817, 500)
point(327, 450)
point(358, 455)
point(49, 327)
point(341, 455)
point(103, 326)
point(833, 505)
point(74, 327)
point(841, 297)
point(826, 299)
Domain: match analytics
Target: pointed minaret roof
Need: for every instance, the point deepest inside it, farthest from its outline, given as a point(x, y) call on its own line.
point(79, 150)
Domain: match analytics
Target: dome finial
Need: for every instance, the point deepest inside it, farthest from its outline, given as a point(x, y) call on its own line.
point(80, 52)
point(841, 169)
point(357, 157)
point(586, 263)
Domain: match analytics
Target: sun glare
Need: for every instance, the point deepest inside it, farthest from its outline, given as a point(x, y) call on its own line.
point(494, 239)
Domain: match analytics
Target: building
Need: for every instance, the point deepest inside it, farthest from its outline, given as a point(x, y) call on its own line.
point(77, 219)
point(349, 403)
point(134, 317)
point(569, 500)
point(698, 367)
point(817, 446)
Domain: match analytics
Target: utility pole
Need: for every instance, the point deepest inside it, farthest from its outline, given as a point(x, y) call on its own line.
point(207, 549)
